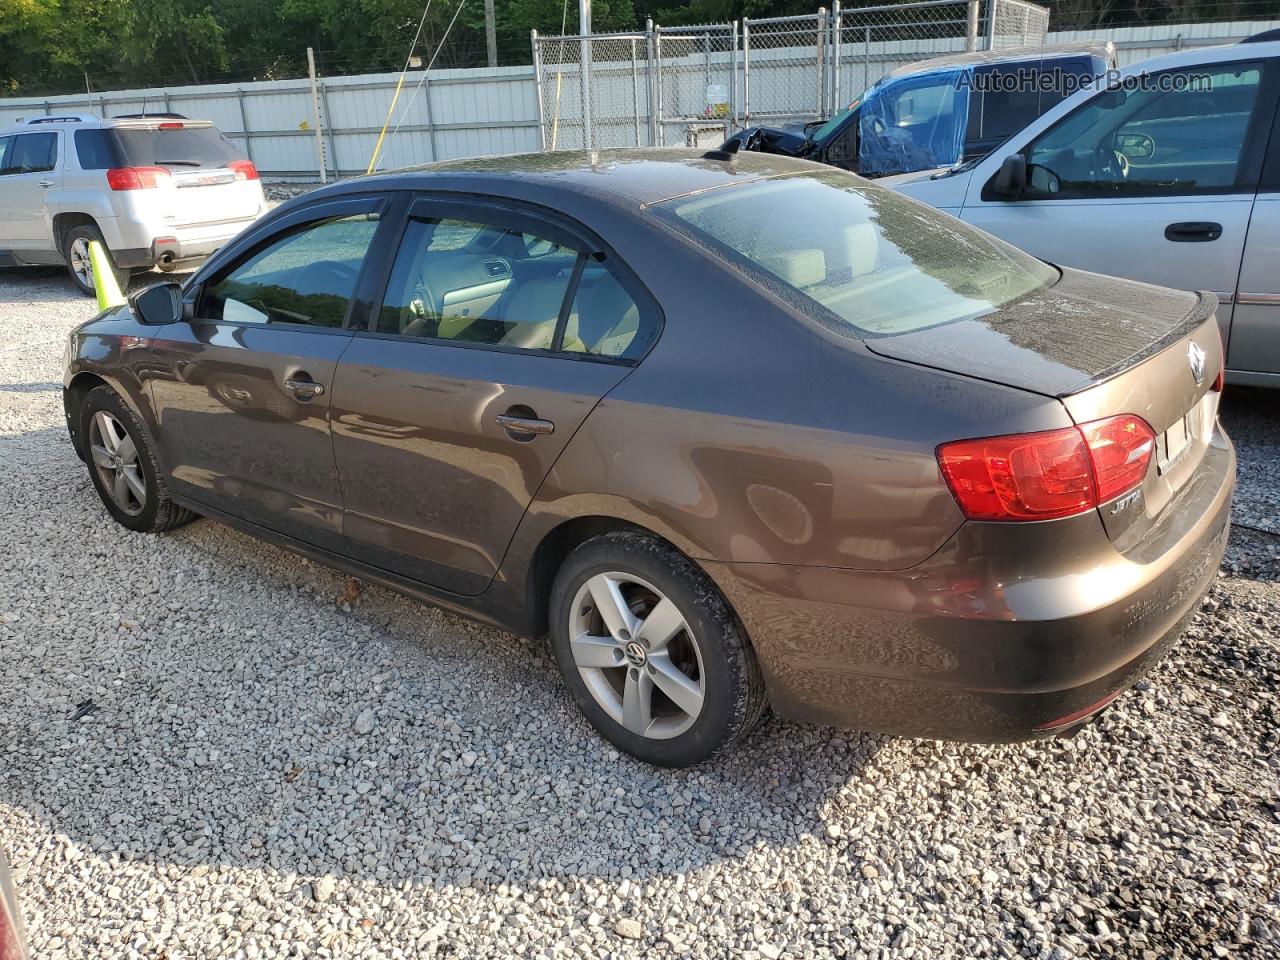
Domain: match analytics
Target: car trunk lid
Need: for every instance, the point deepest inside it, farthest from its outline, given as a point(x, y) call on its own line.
point(1104, 347)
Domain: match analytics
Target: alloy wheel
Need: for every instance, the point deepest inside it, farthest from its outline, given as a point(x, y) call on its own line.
point(637, 655)
point(81, 264)
point(115, 457)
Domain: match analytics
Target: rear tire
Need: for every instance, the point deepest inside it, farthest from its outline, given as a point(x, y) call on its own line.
point(664, 672)
point(75, 250)
point(123, 466)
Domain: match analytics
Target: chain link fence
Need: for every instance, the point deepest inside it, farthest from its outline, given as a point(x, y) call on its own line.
point(695, 85)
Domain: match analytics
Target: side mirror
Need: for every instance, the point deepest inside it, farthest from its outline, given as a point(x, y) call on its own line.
point(1011, 179)
point(158, 305)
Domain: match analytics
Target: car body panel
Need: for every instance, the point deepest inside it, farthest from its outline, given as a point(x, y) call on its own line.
point(1255, 327)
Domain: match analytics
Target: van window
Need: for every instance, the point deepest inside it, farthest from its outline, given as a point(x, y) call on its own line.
point(31, 153)
point(912, 124)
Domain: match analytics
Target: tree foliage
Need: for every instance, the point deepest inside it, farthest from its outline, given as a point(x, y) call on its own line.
point(56, 46)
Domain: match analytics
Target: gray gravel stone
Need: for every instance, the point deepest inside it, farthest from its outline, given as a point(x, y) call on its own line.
point(224, 798)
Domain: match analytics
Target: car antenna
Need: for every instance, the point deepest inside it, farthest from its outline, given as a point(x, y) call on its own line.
point(726, 151)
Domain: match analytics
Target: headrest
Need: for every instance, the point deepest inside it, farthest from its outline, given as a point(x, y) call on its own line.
point(800, 268)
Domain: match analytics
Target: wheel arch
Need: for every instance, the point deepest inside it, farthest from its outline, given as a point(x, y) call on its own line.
point(73, 402)
point(64, 223)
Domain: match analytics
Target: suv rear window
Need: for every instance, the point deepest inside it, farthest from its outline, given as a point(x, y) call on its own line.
point(855, 256)
point(195, 147)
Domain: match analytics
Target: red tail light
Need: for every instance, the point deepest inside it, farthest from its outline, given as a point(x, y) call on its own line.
point(172, 126)
point(136, 178)
point(243, 169)
point(1050, 474)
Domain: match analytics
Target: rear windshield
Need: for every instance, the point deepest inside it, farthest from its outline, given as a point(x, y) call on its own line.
point(194, 147)
point(872, 262)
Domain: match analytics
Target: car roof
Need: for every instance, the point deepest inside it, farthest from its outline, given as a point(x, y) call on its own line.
point(89, 121)
point(641, 175)
point(1220, 53)
point(1103, 51)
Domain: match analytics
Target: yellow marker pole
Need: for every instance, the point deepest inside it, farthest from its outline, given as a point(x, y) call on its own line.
point(377, 147)
point(104, 278)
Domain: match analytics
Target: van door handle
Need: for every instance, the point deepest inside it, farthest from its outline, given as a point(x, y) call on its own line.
point(46, 183)
point(528, 426)
point(304, 389)
point(1193, 231)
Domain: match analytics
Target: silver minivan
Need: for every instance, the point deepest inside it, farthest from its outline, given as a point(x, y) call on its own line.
point(158, 190)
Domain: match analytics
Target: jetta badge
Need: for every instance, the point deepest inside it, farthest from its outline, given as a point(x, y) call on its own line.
point(1195, 356)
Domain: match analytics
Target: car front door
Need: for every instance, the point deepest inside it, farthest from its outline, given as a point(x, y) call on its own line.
point(500, 330)
point(1254, 350)
point(242, 391)
point(29, 171)
point(1154, 184)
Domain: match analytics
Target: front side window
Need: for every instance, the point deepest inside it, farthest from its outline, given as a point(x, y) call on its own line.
point(477, 282)
point(308, 276)
point(31, 153)
point(862, 259)
point(1181, 133)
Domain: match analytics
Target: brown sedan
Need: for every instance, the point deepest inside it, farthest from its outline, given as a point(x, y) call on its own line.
point(734, 432)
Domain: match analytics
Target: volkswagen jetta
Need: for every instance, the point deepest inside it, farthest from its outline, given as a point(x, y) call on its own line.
point(732, 431)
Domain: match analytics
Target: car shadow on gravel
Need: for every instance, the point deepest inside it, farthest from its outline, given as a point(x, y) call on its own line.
point(221, 702)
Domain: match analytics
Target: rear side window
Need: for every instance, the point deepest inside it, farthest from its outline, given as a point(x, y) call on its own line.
point(31, 153)
point(478, 282)
point(306, 277)
point(96, 150)
point(856, 256)
point(183, 146)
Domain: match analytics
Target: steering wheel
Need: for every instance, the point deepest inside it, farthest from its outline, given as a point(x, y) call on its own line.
point(1109, 164)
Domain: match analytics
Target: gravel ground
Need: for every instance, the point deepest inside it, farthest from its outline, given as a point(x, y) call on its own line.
point(215, 749)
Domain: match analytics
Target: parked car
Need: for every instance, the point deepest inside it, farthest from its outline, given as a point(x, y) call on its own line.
point(1172, 177)
point(870, 466)
point(938, 112)
point(156, 191)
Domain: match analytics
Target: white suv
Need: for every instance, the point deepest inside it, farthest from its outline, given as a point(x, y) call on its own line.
point(158, 191)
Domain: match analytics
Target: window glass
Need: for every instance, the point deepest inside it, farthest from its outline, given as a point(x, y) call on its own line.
point(307, 276)
point(96, 150)
point(873, 260)
point(31, 153)
point(6, 144)
point(1181, 133)
point(912, 124)
point(179, 146)
point(477, 283)
point(604, 319)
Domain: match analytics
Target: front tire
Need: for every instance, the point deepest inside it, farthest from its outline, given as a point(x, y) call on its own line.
point(123, 465)
point(651, 652)
point(75, 250)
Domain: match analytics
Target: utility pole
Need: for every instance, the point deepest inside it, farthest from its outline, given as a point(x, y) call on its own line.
point(490, 33)
point(315, 114)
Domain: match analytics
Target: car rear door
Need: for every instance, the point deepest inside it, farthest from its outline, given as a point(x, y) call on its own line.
point(1191, 142)
point(501, 328)
point(1254, 349)
point(242, 391)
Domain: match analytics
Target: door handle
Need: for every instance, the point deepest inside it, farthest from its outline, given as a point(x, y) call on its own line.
point(304, 389)
point(526, 426)
point(46, 183)
point(1193, 231)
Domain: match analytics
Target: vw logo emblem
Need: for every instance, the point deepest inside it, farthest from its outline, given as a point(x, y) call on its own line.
point(1195, 356)
point(635, 654)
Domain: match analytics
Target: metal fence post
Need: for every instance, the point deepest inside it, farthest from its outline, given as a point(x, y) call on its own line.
point(244, 126)
point(733, 85)
point(635, 92)
point(328, 132)
point(820, 57)
point(657, 46)
point(866, 58)
point(537, 86)
point(431, 121)
point(651, 80)
point(315, 114)
point(971, 28)
point(584, 88)
point(993, 12)
point(746, 72)
point(837, 27)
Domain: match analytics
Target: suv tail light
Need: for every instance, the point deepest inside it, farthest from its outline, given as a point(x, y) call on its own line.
point(1050, 474)
point(136, 178)
point(243, 169)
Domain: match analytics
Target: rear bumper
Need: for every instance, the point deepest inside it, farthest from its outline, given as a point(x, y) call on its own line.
point(1009, 632)
point(174, 247)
